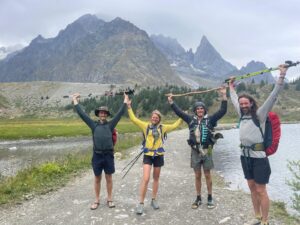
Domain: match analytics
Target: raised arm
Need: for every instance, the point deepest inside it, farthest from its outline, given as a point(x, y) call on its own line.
point(143, 125)
point(234, 97)
point(81, 113)
point(169, 127)
point(117, 117)
point(223, 109)
point(178, 111)
point(262, 111)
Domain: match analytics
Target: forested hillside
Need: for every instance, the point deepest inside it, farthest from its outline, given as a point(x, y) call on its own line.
point(146, 100)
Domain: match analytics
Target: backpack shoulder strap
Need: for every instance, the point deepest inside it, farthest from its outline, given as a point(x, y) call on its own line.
point(163, 136)
point(257, 123)
point(145, 135)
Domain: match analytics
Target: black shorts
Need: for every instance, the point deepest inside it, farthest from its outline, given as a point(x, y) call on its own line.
point(102, 162)
point(257, 169)
point(157, 161)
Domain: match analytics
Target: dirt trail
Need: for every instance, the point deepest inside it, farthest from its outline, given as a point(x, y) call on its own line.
point(70, 204)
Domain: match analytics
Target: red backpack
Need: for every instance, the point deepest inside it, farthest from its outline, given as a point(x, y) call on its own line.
point(272, 133)
point(114, 136)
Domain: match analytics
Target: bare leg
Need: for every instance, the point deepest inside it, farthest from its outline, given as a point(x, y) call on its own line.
point(156, 174)
point(109, 186)
point(262, 194)
point(254, 197)
point(97, 186)
point(208, 181)
point(198, 181)
point(145, 181)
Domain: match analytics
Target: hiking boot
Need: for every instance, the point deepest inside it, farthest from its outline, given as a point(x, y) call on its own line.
point(140, 209)
point(254, 221)
point(196, 203)
point(210, 204)
point(154, 204)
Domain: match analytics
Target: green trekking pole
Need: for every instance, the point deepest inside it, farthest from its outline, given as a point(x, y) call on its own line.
point(247, 75)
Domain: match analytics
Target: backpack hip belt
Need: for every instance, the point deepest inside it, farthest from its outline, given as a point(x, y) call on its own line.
point(104, 151)
point(254, 147)
point(155, 151)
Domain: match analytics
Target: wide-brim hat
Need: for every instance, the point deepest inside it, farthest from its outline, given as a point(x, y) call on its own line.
point(102, 108)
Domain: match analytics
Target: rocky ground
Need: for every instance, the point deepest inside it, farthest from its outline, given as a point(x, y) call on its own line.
point(70, 204)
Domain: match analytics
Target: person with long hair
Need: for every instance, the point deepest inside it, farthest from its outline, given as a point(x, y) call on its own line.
point(154, 132)
point(253, 158)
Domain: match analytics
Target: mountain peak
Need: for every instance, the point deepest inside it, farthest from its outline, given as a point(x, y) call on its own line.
point(254, 66)
point(87, 19)
point(118, 25)
point(208, 59)
point(204, 39)
point(38, 39)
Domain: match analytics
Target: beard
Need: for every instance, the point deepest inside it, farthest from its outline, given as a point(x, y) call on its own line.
point(245, 110)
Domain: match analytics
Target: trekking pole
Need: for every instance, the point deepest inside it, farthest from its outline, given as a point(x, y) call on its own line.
point(137, 156)
point(247, 75)
point(193, 92)
point(288, 64)
point(135, 160)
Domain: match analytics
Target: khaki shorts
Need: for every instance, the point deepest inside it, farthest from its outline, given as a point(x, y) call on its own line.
point(197, 160)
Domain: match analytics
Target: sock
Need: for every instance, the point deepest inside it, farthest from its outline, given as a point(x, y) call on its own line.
point(199, 197)
point(209, 197)
point(264, 222)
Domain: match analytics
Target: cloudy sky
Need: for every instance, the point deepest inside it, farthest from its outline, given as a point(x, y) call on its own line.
point(240, 30)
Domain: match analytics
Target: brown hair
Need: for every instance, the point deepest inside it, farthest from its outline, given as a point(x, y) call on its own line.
point(253, 103)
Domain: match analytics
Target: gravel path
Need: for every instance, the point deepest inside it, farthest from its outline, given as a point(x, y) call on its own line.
point(70, 204)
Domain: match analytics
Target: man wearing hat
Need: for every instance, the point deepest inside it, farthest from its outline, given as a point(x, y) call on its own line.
point(201, 140)
point(103, 155)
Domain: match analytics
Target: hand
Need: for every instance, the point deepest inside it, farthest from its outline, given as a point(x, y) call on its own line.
point(222, 90)
point(231, 82)
point(127, 100)
point(170, 98)
point(75, 98)
point(282, 70)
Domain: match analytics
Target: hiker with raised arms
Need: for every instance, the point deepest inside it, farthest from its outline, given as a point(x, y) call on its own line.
point(154, 135)
point(103, 154)
point(201, 139)
point(254, 159)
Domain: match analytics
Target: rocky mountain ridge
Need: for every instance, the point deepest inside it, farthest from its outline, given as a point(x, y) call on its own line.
point(91, 50)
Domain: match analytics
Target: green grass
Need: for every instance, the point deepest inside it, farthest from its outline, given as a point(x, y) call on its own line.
point(278, 210)
point(52, 175)
point(3, 102)
point(42, 179)
point(49, 128)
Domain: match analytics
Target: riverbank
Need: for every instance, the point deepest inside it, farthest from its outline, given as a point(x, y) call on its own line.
point(70, 204)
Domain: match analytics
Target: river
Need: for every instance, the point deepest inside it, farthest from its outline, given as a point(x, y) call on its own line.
point(227, 162)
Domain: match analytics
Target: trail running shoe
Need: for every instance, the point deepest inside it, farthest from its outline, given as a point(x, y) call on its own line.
point(154, 204)
point(140, 209)
point(210, 204)
point(196, 203)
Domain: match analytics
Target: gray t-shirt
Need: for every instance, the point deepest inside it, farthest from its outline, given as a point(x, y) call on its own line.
point(249, 132)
